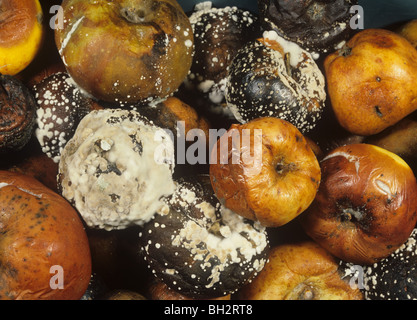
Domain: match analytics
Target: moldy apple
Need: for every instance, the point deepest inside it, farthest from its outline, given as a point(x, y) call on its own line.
point(126, 51)
point(365, 207)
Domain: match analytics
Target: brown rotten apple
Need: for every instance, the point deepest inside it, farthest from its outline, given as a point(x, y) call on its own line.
point(371, 81)
point(44, 250)
point(271, 178)
point(300, 271)
point(366, 204)
point(126, 50)
point(409, 31)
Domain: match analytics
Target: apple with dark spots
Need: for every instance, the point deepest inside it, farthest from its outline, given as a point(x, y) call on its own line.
point(44, 250)
point(371, 81)
point(126, 51)
point(366, 205)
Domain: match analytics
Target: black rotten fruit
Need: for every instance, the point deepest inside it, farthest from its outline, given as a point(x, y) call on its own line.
point(200, 248)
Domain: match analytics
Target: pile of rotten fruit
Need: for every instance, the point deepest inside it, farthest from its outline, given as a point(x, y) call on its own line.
point(149, 153)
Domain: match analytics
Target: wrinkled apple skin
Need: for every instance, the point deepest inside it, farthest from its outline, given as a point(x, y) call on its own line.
point(273, 188)
point(43, 243)
point(372, 81)
point(366, 204)
point(125, 50)
point(409, 31)
point(21, 34)
point(299, 271)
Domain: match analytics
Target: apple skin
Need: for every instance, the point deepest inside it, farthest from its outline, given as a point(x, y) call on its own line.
point(366, 204)
point(299, 270)
point(126, 51)
point(38, 230)
point(273, 187)
point(21, 34)
point(409, 31)
point(400, 139)
point(371, 81)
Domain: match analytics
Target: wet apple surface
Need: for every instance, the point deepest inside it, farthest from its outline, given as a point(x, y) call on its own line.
point(126, 51)
point(365, 208)
point(119, 218)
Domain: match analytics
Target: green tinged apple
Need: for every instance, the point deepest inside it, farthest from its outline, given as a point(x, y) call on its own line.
point(125, 51)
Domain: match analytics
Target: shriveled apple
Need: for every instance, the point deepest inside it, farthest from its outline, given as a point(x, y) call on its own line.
point(300, 271)
point(21, 34)
point(366, 206)
point(372, 81)
point(126, 50)
point(271, 177)
point(44, 250)
point(409, 31)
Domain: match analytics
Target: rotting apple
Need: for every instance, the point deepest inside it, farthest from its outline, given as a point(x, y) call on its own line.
point(366, 204)
point(271, 177)
point(300, 271)
point(371, 81)
point(400, 139)
point(409, 31)
point(44, 250)
point(21, 34)
point(126, 51)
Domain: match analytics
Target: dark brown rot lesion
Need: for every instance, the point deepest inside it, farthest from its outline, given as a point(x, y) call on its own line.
point(349, 213)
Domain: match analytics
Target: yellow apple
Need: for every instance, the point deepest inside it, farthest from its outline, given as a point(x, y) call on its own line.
point(21, 34)
point(300, 271)
point(409, 31)
point(372, 80)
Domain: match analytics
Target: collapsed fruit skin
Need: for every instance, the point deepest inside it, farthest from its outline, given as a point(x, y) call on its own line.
point(21, 34)
point(409, 31)
point(41, 236)
point(272, 181)
point(300, 271)
point(371, 81)
point(17, 114)
point(126, 50)
point(366, 205)
point(317, 26)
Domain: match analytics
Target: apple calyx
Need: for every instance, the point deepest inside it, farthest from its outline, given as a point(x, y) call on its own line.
point(316, 11)
point(350, 214)
point(307, 294)
point(282, 167)
point(345, 51)
point(133, 15)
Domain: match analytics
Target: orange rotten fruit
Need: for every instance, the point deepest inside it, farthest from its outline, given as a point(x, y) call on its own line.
point(44, 250)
